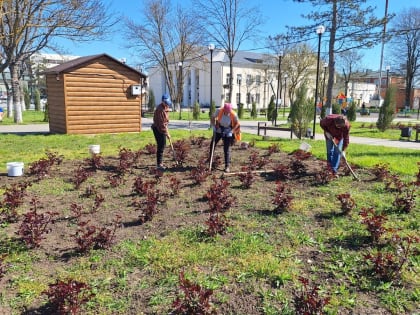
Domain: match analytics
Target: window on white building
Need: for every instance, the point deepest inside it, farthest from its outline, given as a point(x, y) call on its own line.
point(248, 98)
point(258, 79)
point(239, 79)
point(248, 79)
point(227, 78)
point(257, 98)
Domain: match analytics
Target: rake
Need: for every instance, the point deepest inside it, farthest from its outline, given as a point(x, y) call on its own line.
point(173, 151)
point(212, 150)
point(345, 161)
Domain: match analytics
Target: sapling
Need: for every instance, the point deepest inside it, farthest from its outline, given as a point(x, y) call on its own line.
point(13, 198)
point(282, 199)
point(347, 202)
point(193, 299)
point(35, 225)
point(308, 301)
point(67, 297)
point(247, 177)
point(388, 265)
point(374, 223)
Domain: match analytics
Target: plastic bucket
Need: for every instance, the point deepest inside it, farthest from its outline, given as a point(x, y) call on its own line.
point(95, 149)
point(305, 147)
point(14, 168)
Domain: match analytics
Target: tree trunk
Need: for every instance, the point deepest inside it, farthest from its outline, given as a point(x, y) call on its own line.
point(17, 106)
point(331, 61)
point(230, 77)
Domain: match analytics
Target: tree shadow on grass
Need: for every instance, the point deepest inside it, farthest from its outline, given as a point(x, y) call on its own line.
point(353, 241)
point(46, 309)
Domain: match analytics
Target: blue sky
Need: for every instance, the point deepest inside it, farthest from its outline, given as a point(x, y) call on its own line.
point(276, 13)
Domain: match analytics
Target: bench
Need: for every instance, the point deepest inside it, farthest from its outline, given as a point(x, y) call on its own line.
point(263, 126)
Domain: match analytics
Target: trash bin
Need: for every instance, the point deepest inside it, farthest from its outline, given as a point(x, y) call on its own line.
point(406, 132)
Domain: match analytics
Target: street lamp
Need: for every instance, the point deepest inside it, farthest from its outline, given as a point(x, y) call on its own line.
point(387, 75)
point(278, 89)
point(319, 30)
point(323, 84)
point(180, 88)
point(211, 48)
point(284, 99)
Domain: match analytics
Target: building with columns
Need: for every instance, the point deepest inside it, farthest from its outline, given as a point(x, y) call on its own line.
point(254, 79)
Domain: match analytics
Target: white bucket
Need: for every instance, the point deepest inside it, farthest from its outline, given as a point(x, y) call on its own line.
point(14, 168)
point(95, 149)
point(305, 147)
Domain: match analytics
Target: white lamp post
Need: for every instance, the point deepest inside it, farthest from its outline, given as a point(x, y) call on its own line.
point(278, 89)
point(211, 48)
point(284, 98)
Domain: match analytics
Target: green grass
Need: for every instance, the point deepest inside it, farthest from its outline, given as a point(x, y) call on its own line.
point(263, 260)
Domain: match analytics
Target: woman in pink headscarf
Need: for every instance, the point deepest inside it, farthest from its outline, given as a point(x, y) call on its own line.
point(225, 123)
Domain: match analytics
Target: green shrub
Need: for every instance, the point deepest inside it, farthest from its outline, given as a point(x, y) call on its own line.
point(37, 100)
point(26, 97)
point(351, 111)
point(212, 108)
point(254, 110)
point(152, 102)
point(271, 110)
point(240, 110)
point(302, 112)
point(196, 111)
point(336, 108)
point(387, 110)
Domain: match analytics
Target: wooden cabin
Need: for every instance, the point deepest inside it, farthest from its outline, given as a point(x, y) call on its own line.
point(94, 94)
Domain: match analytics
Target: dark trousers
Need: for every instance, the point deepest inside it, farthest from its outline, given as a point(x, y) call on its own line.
point(227, 143)
point(161, 143)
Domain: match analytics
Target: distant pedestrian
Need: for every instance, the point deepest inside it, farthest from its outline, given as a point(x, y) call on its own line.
point(336, 130)
point(1, 114)
point(225, 125)
point(160, 128)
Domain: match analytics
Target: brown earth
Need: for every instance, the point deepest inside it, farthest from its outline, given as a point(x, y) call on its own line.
point(186, 208)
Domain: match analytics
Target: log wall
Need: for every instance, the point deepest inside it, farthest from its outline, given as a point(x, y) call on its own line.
point(94, 98)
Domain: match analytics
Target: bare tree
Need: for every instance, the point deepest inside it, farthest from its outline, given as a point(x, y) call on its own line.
point(229, 24)
point(405, 47)
point(27, 26)
point(166, 37)
point(299, 64)
point(349, 61)
point(350, 24)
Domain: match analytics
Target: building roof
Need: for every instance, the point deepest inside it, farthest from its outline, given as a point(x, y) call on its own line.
point(74, 63)
point(246, 57)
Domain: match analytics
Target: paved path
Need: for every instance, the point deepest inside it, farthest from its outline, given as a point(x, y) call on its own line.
point(246, 126)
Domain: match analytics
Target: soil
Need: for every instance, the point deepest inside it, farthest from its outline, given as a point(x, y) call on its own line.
point(188, 207)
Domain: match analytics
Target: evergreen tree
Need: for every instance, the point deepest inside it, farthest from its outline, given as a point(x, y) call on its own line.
point(271, 109)
point(351, 111)
point(254, 110)
point(387, 110)
point(26, 97)
point(349, 24)
point(240, 110)
point(152, 102)
point(301, 112)
point(37, 100)
point(212, 108)
point(196, 111)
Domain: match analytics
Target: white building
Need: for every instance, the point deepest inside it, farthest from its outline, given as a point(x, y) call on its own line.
point(254, 79)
